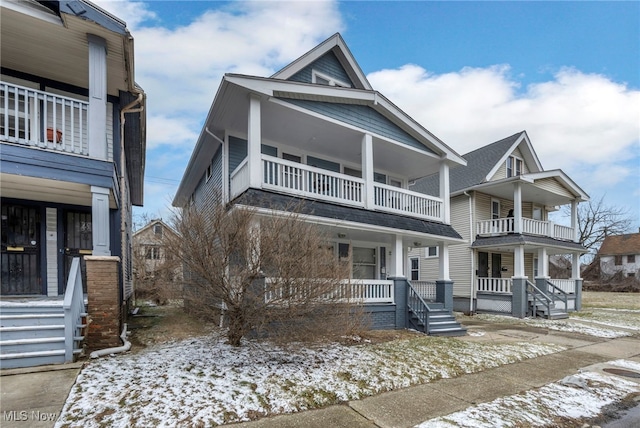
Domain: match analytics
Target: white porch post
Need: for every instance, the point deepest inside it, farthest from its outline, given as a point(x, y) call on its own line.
point(543, 263)
point(100, 221)
point(97, 97)
point(517, 207)
point(574, 221)
point(399, 259)
point(443, 266)
point(518, 262)
point(367, 171)
point(254, 140)
point(575, 266)
point(444, 191)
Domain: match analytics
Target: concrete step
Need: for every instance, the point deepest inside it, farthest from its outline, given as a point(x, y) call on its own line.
point(17, 320)
point(39, 344)
point(449, 331)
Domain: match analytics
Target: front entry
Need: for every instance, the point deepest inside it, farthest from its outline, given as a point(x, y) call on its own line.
point(21, 251)
point(78, 242)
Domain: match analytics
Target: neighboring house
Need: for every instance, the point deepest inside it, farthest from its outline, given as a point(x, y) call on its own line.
point(157, 273)
point(317, 132)
point(620, 253)
point(70, 171)
point(500, 204)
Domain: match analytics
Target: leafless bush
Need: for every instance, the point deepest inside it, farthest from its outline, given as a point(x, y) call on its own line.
point(272, 275)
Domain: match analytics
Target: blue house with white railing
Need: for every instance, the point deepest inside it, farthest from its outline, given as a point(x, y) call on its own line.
point(500, 204)
point(72, 153)
point(316, 132)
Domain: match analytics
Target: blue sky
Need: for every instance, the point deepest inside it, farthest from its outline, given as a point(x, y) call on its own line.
point(471, 72)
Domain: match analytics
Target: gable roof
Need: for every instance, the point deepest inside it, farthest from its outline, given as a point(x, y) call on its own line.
point(152, 223)
point(482, 164)
point(339, 48)
point(617, 245)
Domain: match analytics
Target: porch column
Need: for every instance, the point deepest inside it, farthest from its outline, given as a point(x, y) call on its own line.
point(574, 220)
point(517, 207)
point(444, 191)
point(443, 267)
point(399, 259)
point(367, 171)
point(254, 141)
point(100, 221)
point(575, 276)
point(518, 262)
point(518, 284)
point(97, 97)
point(543, 263)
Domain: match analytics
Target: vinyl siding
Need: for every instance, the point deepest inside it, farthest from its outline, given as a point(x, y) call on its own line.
point(362, 117)
point(208, 193)
point(501, 173)
point(552, 185)
point(327, 64)
point(460, 255)
point(52, 251)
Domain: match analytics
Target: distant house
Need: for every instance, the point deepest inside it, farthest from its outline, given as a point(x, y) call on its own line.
point(620, 253)
point(156, 271)
point(500, 204)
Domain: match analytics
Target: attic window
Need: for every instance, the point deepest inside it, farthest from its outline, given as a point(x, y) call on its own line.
point(323, 79)
point(157, 229)
point(514, 166)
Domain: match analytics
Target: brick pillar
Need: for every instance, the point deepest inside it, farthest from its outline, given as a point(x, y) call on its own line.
point(103, 294)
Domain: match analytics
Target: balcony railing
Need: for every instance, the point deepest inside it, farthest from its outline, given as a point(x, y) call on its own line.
point(41, 119)
point(502, 226)
point(358, 290)
point(303, 180)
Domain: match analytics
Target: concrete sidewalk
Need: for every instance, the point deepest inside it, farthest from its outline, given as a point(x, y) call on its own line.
point(29, 397)
point(411, 406)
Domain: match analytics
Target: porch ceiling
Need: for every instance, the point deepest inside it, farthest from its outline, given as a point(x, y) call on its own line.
point(305, 132)
point(53, 50)
point(40, 189)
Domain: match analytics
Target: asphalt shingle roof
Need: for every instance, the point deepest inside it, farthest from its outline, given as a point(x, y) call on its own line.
point(618, 245)
point(276, 201)
point(479, 163)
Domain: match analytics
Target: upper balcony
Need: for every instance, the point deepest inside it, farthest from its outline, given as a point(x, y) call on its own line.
point(307, 181)
point(504, 226)
point(40, 119)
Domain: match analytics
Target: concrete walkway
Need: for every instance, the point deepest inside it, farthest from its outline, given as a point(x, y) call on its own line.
point(30, 397)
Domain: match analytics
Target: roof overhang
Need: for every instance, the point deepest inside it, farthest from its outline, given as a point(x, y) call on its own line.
point(508, 243)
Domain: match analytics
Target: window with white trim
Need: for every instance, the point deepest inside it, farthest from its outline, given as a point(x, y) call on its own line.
point(324, 79)
point(415, 268)
point(431, 252)
point(514, 166)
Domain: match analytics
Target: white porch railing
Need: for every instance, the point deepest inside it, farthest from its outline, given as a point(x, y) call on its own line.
point(501, 226)
point(240, 179)
point(299, 179)
point(494, 285)
point(42, 119)
point(566, 285)
point(362, 290)
point(425, 289)
point(403, 201)
point(74, 310)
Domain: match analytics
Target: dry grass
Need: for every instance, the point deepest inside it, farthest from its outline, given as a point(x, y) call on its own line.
point(603, 299)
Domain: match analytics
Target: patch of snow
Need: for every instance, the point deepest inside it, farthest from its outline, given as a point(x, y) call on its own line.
point(205, 381)
point(567, 398)
point(476, 333)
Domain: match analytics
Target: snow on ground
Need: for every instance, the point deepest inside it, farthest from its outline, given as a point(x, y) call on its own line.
point(572, 325)
point(617, 318)
point(579, 396)
point(204, 381)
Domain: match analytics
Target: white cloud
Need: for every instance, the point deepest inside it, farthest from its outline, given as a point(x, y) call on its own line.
point(133, 13)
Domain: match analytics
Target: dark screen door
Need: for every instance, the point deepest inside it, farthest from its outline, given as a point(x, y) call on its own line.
point(78, 242)
point(20, 250)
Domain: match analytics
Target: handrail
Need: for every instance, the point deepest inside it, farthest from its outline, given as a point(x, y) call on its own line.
point(418, 306)
point(536, 297)
point(73, 308)
point(426, 289)
point(562, 295)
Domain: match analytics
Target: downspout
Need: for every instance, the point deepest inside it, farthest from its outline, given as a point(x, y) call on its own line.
point(126, 345)
point(472, 263)
point(126, 109)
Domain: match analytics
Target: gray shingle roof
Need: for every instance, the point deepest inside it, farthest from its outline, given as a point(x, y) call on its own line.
point(276, 201)
point(517, 239)
point(479, 163)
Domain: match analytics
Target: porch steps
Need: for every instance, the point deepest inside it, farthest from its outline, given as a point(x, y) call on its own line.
point(441, 322)
point(32, 334)
point(541, 311)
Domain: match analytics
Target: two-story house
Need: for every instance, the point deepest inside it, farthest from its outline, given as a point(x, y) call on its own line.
point(72, 152)
point(620, 254)
point(500, 204)
point(317, 132)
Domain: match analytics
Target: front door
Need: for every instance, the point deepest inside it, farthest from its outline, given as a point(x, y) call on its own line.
point(78, 242)
point(20, 250)
point(483, 265)
point(496, 265)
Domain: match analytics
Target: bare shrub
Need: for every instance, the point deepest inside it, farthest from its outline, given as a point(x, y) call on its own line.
point(270, 275)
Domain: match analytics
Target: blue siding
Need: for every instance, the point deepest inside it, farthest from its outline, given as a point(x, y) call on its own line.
point(323, 163)
point(363, 117)
point(208, 193)
point(327, 64)
point(237, 152)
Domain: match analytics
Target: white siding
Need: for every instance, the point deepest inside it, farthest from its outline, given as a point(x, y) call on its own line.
point(552, 185)
point(52, 251)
